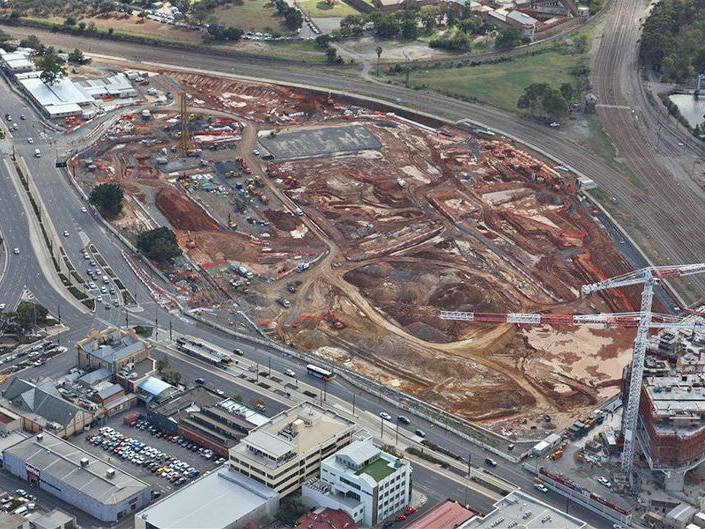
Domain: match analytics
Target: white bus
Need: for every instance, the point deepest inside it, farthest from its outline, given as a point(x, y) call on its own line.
point(319, 372)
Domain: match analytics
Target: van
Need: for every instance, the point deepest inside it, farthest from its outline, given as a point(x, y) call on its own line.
point(106, 280)
point(37, 153)
point(20, 510)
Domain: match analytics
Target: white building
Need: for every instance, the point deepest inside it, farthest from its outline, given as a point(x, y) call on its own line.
point(362, 480)
point(287, 451)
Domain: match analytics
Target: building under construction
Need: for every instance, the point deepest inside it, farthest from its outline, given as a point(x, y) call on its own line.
point(671, 432)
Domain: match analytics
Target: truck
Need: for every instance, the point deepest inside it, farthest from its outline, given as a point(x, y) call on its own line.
point(244, 272)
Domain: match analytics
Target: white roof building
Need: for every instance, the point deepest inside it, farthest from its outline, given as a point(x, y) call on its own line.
point(58, 100)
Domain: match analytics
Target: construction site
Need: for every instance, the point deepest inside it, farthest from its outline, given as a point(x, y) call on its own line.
point(345, 231)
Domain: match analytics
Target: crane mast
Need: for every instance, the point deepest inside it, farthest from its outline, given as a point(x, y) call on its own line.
point(643, 320)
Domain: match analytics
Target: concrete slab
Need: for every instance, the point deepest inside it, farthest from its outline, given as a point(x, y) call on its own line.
point(307, 143)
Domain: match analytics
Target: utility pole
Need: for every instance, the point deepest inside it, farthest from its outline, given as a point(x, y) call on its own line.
point(170, 336)
point(269, 361)
point(467, 485)
point(396, 438)
point(381, 421)
point(58, 336)
point(156, 325)
point(353, 404)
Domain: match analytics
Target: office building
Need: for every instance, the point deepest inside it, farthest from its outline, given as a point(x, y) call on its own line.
point(287, 450)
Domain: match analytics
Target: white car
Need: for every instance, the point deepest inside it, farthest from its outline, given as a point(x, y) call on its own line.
point(256, 152)
point(604, 481)
point(99, 299)
point(554, 124)
point(289, 372)
point(84, 210)
point(16, 251)
point(30, 141)
point(66, 233)
point(385, 416)
point(220, 392)
point(540, 486)
point(2, 306)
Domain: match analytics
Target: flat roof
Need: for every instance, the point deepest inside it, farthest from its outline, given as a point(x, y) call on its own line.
point(448, 514)
point(297, 430)
point(211, 502)
point(61, 93)
point(62, 460)
point(528, 511)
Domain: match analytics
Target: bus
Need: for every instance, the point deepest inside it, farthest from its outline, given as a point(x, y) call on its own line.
point(204, 353)
point(319, 372)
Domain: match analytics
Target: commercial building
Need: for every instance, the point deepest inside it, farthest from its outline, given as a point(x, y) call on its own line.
point(16, 62)
point(13, 521)
point(61, 99)
point(528, 511)
point(154, 390)
point(55, 519)
point(287, 451)
point(362, 480)
point(112, 349)
point(223, 499)
point(116, 86)
point(448, 514)
point(323, 518)
point(42, 407)
point(76, 477)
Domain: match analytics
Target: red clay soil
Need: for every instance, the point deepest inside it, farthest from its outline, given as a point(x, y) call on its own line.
point(182, 213)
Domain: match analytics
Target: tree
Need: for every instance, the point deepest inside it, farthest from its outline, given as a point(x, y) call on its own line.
point(199, 12)
point(290, 510)
point(159, 244)
point(52, 67)
point(429, 16)
point(108, 199)
point(507, 39)
point(162, 365)
point(32, 41)
point(331, 54)
point(323, 41)
point(567, 91)
point(378, 50)
point(76, 56)
point(142, 15)
point(70, 21)
point(409, 29)
point(386, 27)
point(543, 101)
point(82, 25)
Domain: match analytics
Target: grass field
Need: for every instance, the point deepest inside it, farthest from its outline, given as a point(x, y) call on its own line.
point(252, 15)
point(499, 85)
point(319, 8)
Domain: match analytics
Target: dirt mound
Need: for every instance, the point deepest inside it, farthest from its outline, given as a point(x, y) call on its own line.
point(282, 221)
point(182, 213)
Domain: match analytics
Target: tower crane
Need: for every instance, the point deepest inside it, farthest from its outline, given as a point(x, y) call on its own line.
point(186, 141)
point(643, 321)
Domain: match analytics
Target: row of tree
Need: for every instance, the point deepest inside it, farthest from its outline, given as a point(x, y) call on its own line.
point(541, 100)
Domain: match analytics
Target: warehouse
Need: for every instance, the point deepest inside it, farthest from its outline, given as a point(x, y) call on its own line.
point(76, 477)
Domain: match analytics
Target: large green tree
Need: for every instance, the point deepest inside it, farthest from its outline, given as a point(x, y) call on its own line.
point(108, 199)
point(508, 38)
point(159, 244)
point(542, 100)
point(51, 65)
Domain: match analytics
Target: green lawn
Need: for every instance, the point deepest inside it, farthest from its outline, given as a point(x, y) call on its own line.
point(319, 8)
point(379, 470)
point(499, 85)
point(297, 50)
point(252, 15)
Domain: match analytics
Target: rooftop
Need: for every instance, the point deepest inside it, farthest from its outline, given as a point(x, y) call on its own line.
point(41, 399)
point(295, 431)
point(527, 511)
point(211, 502)
point(522, 18)
point(327, 519)
point(62, 460)
point(111, 345)
point(448, 514)
point(378, 470)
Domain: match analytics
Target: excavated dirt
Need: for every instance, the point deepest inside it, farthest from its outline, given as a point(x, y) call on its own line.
point(393, 229)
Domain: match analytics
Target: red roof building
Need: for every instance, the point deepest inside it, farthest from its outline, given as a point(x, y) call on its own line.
point(448, 514)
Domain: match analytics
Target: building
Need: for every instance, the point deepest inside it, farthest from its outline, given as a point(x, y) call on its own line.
point(76, 477)
point(326, 519)
point(222, 499)
point(362, 480)
point(116, 86)
point(680, 516)
point(61, 99)
point(55, 519)
point(9, 422)
point(112, 349)
point(448, 514)
point(287, 451)
point(155, 390)
point(528, 511)
point(17, 62)
point(525, 23)
point(42, 407)
point(13, 521)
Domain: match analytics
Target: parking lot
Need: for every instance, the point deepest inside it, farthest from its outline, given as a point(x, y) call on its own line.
point(148, 454)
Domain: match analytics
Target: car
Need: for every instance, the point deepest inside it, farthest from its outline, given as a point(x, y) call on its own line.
point(8, 117)
point(618, 526)
point(384, 415)
point(289, 372)
point(420, 433)
point(200, 382)
point(84, 209)
point(22, 117)
point(605, 482)
point(220, 392)
point(2, 306)
point(16, 251)
point(86, 256)
point(554, 124)
point(409, 510)
point(30, 141)
point(116, 303)
point(400, 517)
point(66, 233)
point(540, 486)
point(99, 299)
point(103, 290)
point(403, 420)
point(238, 352)
point(106, 306)
point(491, 462)
point(255, 152)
